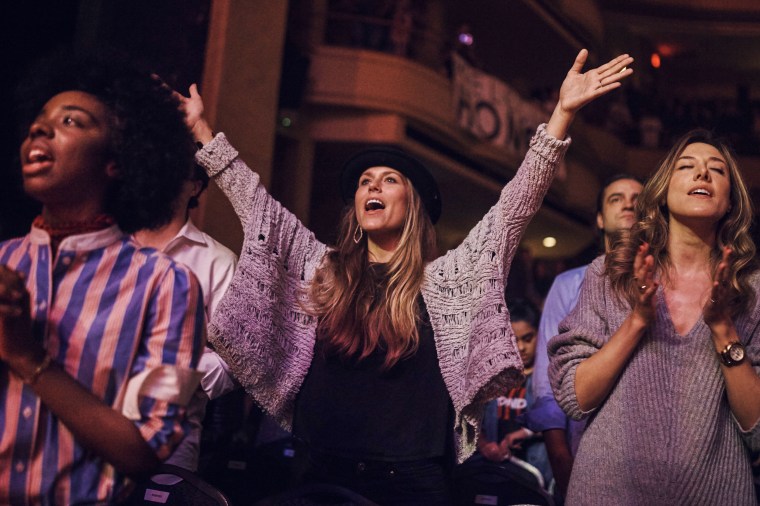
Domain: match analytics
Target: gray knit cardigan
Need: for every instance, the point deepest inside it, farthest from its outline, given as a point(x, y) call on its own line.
point(261, 329)
point(665, 435)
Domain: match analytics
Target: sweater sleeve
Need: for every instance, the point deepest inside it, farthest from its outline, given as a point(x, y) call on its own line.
point(751, 342)
point(261, 215)
point(502, 227)
point(261, 328)
point(582, 333)
point(464, 293)
point(238, 182)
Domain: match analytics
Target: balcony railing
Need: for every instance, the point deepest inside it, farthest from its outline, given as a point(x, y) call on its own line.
point(393, 30)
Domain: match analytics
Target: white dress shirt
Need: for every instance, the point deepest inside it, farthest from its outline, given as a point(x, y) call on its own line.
point(213, 264)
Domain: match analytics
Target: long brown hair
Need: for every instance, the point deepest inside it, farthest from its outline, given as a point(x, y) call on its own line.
point(652, 227)
point(354, 322)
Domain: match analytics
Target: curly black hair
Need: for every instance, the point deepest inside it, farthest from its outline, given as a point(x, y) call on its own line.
point(150, 144)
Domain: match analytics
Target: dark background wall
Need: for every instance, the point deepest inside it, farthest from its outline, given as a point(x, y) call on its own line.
point(167, 35)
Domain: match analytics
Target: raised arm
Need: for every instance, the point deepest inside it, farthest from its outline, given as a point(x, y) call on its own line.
point(522, 196)
point(275, 227)
point(260, 323)
point(193, 108)
point(239, 182)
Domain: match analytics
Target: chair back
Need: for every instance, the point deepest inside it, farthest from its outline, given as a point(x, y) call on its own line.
point(175, 486)
point(482, 482)
point(317, 494)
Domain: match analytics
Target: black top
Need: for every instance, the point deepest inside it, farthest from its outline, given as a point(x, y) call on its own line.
point(354, 409)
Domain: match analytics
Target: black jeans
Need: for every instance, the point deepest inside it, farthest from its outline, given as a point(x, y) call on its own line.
point(417, 482)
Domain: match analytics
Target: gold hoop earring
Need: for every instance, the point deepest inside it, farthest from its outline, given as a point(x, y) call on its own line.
point(358, 234)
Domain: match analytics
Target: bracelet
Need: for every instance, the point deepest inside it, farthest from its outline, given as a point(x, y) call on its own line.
point(199, 144)
point(44, 366)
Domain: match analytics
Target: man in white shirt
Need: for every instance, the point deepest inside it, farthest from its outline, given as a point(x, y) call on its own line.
point(213, 264)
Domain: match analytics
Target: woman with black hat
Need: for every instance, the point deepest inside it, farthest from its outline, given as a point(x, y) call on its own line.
point(372, 350)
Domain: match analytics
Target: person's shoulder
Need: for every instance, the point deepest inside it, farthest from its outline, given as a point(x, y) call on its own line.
point(567, 284)
point(570, 280)
point(12, 243)
point(754, 279)
point(597, 266)
point(220, 251)
point(754, 282)
point(17, 247)
point(157, 260)
point(571, 275)
point(216, 249)
point(751, 316)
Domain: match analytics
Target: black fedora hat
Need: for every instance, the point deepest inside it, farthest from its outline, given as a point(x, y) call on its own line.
point(396, 159)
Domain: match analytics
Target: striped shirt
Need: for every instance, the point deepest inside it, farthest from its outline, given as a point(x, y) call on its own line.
point(109, 314)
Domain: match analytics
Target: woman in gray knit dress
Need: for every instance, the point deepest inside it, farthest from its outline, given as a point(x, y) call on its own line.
point(662, 350)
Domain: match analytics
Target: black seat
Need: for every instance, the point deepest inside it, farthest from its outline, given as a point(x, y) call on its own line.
point(173, 485)
point(479, 481)
point(317, 495)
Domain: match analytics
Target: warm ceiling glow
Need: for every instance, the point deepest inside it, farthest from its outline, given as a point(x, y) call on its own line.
point(549, 242)
point(655, 60)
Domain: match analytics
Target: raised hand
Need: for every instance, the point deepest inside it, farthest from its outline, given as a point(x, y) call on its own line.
point(579, 88)
point(192, 107)
point(646, 286)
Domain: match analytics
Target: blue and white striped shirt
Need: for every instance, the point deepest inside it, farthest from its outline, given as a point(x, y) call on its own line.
point(108, 313)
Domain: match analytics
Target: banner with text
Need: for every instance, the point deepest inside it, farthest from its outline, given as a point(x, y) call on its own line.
point(491, 110)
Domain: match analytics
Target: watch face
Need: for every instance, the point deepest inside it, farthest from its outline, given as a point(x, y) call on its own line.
point(736, 352)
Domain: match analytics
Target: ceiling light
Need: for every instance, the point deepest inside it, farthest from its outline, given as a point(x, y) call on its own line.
point(549, 242)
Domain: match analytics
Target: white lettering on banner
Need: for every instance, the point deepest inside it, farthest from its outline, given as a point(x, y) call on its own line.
point(491, 110)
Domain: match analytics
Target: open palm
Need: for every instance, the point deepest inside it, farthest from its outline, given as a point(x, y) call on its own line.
point(580, 88)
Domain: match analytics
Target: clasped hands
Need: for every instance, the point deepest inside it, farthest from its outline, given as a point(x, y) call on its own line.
point(715, 311)
point(17, 348)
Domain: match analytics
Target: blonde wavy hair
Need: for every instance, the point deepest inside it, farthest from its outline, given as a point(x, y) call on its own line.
point(353, 321)
point(651, 227)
